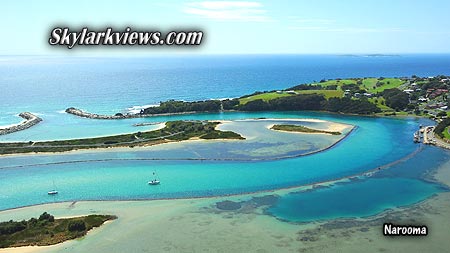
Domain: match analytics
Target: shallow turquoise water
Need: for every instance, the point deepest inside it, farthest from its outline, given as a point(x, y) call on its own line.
point(400, 185)
point(356, 199)
point(376, 141)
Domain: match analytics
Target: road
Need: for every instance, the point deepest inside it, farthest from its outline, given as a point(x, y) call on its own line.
point(430, 138)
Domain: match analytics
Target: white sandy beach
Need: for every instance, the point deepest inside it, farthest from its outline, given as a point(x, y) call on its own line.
point(332, 126)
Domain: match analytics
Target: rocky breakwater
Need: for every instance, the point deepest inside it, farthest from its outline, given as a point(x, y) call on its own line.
point(80, 113)
point(30, 120)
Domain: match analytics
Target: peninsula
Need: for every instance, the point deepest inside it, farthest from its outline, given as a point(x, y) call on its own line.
point(46, 230)
point(414, 96)
point(420, 96)
point(173, 131)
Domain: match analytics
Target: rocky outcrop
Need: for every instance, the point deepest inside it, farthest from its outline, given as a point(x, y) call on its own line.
point(81, 113)
point(89, 115)
point(30, 120)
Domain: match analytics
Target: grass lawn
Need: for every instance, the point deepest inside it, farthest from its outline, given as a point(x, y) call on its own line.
point(327, 93)
point(389, 83)
point(273, 95)
point(265, 96)
point(368, 84)
point(446, 133)
point(378, 102)
point(339, 83)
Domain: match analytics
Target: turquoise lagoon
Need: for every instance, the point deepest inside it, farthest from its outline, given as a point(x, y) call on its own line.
point(202, 169)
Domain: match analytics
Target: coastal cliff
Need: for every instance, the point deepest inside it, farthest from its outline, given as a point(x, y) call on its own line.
point(30, 120)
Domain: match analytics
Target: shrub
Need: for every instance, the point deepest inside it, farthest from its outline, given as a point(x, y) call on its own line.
point(76, 225)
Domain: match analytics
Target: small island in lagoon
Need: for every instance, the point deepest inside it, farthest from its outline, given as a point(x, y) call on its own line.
point(301, 129)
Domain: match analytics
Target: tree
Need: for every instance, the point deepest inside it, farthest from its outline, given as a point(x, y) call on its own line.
point(76, 225)
point(396, 98)
point(46, 216)
point(441, 114)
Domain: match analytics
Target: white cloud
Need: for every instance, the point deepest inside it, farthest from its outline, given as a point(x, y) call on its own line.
point(345, 29)
point(331, 25)
point(228, 11)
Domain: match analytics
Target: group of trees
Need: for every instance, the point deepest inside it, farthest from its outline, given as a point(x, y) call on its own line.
point(439, 130)
point(290, 103)
point(312, 102)
point(313, 87)
point(11, 227)
point(396, 99)
point(173, 106)
point(354, 88)
point(76, 226)
point(348, 105)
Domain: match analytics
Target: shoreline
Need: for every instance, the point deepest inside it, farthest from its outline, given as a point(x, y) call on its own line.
point(194, 205)
point(366, 173)
point(126, 148)
point(30, 148)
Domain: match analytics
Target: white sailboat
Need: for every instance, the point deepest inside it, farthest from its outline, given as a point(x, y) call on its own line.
point(154, 181)
point(54, 191)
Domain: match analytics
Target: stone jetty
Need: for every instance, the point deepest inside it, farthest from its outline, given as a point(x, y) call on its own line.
point(30, 120)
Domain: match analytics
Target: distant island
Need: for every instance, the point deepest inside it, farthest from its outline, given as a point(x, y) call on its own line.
point(46, 230)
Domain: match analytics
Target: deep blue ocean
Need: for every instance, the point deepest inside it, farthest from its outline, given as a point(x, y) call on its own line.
point(107, 85)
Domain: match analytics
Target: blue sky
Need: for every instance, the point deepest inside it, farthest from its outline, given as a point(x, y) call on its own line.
point(239, 27)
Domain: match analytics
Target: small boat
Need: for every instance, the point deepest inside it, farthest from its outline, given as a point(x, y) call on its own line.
point(54, 191)
point(154, 181)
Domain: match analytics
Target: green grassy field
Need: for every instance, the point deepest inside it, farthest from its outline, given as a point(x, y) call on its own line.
point(378, 101)
point(368, 84)
point(446, 133)
point(265, 96)
point(337, 82)
point(327, 93)
point(273, 95)
point(389, 83)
